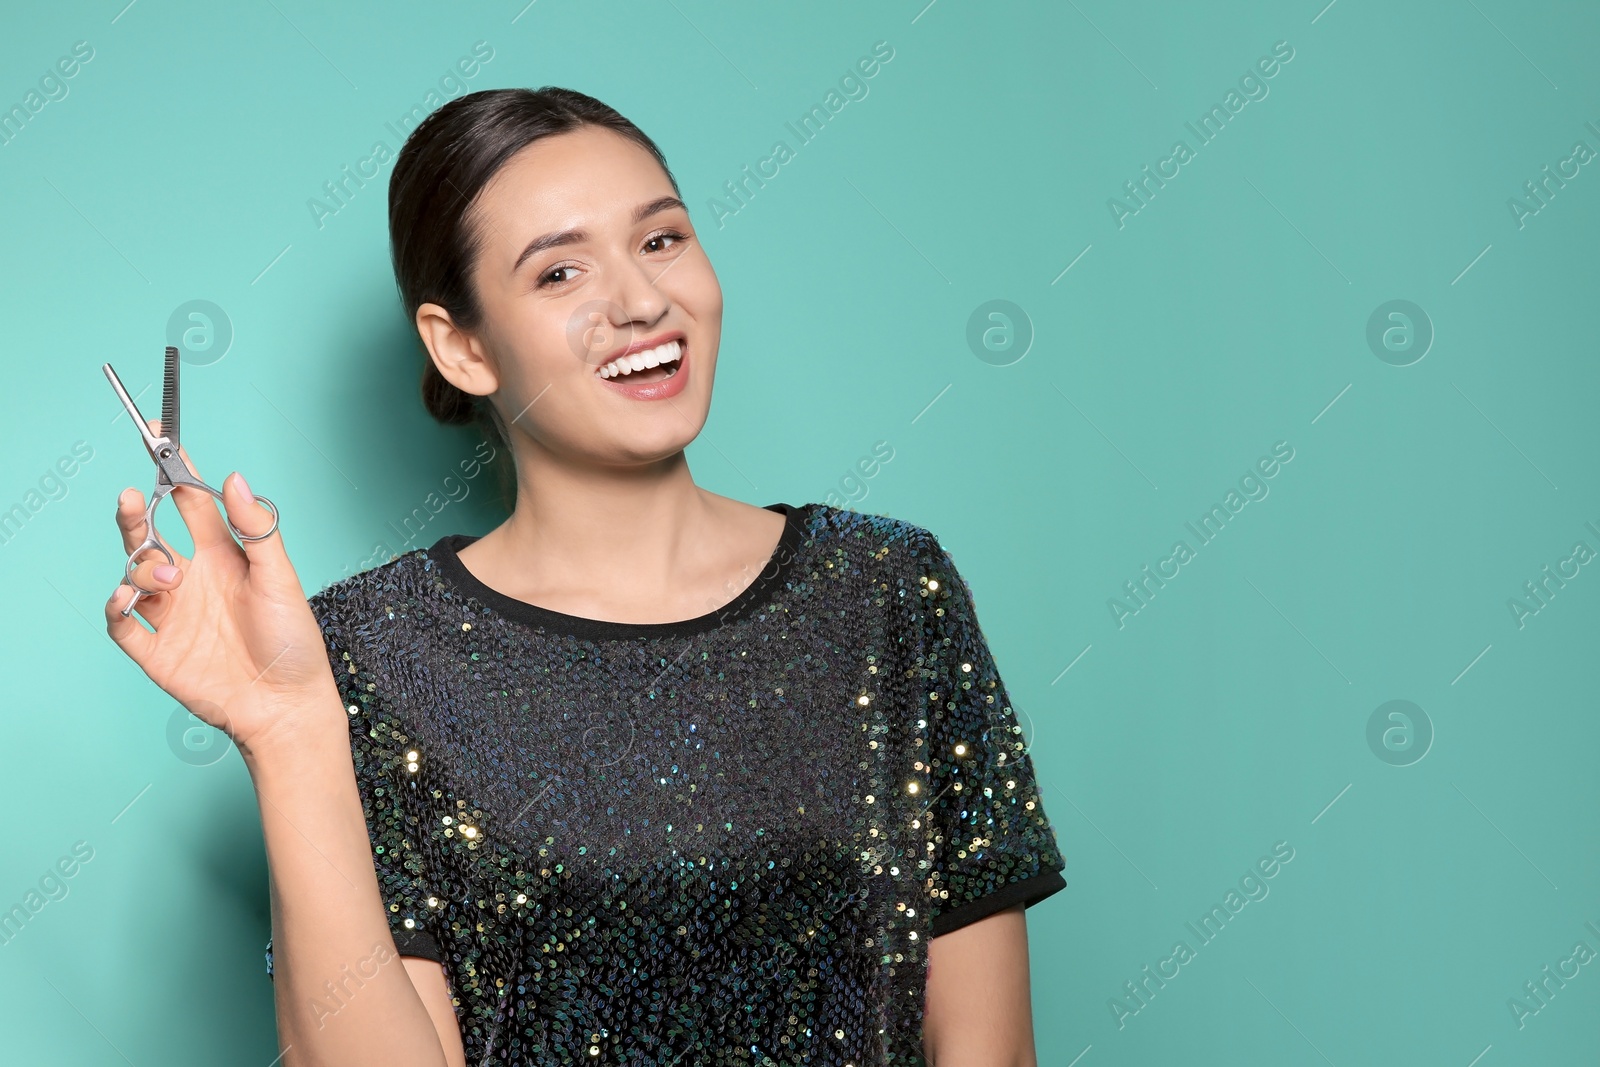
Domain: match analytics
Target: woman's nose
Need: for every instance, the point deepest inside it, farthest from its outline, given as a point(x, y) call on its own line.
point(636, 291)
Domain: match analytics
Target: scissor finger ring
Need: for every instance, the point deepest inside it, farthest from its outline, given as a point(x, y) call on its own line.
point(263, 536)
point(133, 561)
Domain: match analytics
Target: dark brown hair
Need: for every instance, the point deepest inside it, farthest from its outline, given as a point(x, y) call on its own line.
point(434, 239)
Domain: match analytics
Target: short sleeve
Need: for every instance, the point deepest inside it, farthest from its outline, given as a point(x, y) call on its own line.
point(379, 748)
point(992, 844)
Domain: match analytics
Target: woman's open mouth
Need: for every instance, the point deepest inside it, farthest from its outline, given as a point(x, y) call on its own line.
point(651, 365)
point(653, 374)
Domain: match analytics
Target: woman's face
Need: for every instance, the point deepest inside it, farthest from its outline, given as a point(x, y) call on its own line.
point(586, 252)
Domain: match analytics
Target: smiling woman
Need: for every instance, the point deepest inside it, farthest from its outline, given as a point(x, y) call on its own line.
point(485, 286)
point(644, 775)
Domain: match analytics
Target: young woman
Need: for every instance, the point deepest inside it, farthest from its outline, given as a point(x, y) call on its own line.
point(645, 775)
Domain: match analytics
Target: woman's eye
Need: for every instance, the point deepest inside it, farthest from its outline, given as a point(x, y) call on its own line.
point(545, 281)
point(667, 236)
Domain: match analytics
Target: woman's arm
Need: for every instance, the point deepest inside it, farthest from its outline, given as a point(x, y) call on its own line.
point(428, 977)
point(342, 993)
point(233, 639)
point(978, 1011)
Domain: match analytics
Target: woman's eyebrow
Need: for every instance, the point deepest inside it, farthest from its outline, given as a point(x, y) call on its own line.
point(575, 236)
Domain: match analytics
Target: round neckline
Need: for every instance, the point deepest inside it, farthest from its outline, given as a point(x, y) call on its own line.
point(445, 553)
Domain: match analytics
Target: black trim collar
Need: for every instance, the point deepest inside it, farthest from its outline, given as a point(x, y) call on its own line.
point(772, 577)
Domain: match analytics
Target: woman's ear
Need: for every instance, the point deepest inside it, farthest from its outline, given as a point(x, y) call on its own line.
point(461, 358)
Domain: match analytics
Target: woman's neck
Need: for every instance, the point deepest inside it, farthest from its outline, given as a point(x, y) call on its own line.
point(638, 544)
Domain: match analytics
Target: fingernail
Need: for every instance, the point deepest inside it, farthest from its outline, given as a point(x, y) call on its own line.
point(244, 485)
point(165, 572)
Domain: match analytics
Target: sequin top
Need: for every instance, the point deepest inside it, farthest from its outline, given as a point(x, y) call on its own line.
point(726, 840)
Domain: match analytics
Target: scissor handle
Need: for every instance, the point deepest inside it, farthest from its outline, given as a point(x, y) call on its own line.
point(261, 536)
point(151, 539)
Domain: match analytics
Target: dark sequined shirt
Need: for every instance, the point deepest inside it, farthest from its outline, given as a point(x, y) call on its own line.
point(726, 840)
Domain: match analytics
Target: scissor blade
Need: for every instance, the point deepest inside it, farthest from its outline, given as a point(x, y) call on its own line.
point(169, 398)
point(132, 408)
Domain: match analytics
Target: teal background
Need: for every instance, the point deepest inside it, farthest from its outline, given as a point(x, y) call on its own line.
point(1230, 313)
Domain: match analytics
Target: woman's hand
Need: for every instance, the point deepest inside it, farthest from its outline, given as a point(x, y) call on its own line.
point(235, 641)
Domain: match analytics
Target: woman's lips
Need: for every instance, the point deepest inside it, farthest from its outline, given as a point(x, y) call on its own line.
point(657, 390)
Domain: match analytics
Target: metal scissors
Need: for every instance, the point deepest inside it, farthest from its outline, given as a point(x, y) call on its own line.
point(171, 471)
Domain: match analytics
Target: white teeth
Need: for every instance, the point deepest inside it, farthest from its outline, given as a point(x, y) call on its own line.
point(655, 357)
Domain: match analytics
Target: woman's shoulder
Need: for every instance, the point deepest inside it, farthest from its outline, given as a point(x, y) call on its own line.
point(357, 596)
point(870, 529)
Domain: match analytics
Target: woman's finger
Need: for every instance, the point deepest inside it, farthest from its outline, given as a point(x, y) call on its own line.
point(126, 631)
point(252, 519)
point(153, 572)
point(157, 574)
point(130, 518)
point(206, 528)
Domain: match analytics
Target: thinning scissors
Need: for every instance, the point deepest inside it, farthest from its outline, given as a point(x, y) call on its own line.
point(171, 471)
